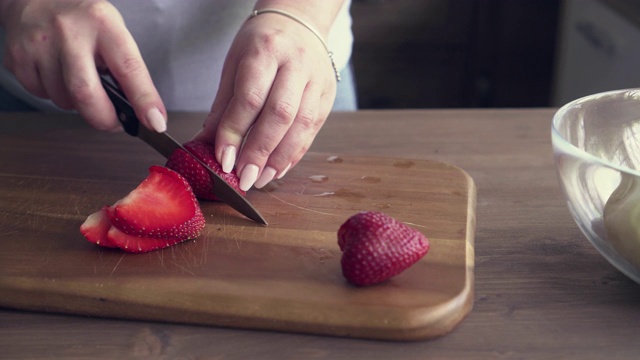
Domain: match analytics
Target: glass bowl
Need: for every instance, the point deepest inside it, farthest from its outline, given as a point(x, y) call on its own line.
point(596, 143)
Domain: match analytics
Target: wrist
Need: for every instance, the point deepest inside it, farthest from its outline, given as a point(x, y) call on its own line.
point(319, 14)
point(307, 26)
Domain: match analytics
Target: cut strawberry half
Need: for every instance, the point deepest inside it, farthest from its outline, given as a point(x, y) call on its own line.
point(162, 211)
point(162, 206)
point(196, 174)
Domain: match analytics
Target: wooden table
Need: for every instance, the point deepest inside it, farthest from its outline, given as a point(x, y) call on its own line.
point(541, 290)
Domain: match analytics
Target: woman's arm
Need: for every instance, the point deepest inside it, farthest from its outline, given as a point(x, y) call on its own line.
point(278, 81)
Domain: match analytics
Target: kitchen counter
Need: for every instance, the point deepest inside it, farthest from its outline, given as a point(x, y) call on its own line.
point(541, 290)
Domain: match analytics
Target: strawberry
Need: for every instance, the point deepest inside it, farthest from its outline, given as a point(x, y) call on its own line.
point(162, 206)
point(377, 247)
point(196, 174)
point(96, 227)
point(160, 212)
point(138, 244)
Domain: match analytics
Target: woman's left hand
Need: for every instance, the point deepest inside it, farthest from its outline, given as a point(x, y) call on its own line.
point(276, 91)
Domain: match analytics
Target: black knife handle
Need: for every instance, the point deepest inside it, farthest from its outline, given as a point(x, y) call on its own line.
point(124, 110)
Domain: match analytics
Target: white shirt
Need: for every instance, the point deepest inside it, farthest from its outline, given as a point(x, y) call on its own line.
point(184, 44)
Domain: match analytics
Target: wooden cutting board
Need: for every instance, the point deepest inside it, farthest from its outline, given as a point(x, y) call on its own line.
point(285, 276)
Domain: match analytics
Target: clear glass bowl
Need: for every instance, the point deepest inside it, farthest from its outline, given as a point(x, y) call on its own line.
point(596, 143)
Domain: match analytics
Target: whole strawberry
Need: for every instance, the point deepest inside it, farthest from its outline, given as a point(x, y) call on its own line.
point(376, 247)
point(196, 175)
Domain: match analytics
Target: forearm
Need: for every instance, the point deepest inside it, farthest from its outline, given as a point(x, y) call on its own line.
point(319, 13)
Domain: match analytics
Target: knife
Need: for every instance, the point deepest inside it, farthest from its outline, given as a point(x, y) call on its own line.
point(166, 145)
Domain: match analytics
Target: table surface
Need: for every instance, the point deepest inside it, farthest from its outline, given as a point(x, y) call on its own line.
point(541, 290)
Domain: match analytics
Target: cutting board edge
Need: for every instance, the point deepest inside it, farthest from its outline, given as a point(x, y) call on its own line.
point(408, 325)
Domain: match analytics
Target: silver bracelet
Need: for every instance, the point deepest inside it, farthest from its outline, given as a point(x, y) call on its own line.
point(303, 23)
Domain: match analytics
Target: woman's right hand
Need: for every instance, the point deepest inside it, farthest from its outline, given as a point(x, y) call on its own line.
point(55, 48)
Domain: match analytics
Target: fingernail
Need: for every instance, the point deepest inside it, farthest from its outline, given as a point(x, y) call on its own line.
point(284, 172)
point(248, 176)
point(228, 158)
point(267, 175)
point(157, 120)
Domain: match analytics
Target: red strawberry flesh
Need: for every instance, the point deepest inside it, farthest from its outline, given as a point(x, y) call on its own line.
point(96, 226)
point(377, 247)
point(162, 206)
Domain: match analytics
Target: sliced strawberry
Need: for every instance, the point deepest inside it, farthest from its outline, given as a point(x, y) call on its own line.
point(196, 174)
point(96, 226)
point(162, 206)
point(160, 212)
point(139, 244)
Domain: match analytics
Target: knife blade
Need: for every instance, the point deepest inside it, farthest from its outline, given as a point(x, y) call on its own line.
point(166, 145)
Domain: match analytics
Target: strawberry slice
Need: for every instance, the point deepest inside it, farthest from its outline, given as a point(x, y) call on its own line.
point(162, 211)
point(138, 244)
point(96, 227)
point(196, 174)
point(162, 206)
point(376, 247)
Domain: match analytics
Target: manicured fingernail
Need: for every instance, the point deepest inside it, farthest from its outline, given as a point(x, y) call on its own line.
point(228, 158)
point(157, 120)
point(267, 175)
point(248, 176)
point(284, 172)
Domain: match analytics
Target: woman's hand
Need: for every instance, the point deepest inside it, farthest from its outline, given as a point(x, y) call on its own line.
point(276, 91)
point(55, 48)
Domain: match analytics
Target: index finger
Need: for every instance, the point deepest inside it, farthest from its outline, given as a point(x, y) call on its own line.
point(123, 59)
